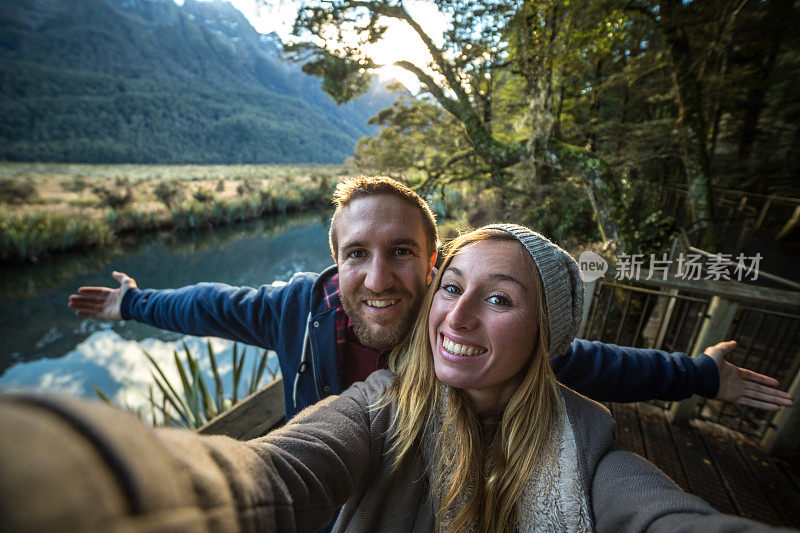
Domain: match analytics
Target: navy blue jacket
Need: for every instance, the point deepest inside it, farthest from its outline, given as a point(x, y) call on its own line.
point(293, 320)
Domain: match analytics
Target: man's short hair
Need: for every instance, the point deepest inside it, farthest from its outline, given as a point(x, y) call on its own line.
point(365, 186)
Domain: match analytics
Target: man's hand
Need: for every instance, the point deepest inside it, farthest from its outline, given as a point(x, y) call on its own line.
point(744, 386)
point(101, 303)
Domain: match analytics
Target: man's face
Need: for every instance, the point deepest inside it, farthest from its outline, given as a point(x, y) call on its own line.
point(384, 267)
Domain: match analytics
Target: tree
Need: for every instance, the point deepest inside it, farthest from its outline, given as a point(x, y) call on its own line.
point(486, 47)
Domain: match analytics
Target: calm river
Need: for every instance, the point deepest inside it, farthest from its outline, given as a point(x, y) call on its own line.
point(43, 345)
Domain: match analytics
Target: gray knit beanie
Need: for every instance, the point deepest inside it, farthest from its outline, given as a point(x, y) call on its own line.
point(561, 283)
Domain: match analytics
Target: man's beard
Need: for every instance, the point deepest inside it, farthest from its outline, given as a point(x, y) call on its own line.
point(392, 331)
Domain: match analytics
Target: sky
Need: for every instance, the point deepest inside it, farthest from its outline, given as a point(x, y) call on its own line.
point(399, 42)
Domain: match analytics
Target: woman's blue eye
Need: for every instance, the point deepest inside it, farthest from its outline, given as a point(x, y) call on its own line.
point(450, 288)
point(496, 299)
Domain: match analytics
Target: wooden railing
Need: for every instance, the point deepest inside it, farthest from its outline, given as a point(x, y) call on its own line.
point(682, 315)
point(739, 216)
point(252, 417)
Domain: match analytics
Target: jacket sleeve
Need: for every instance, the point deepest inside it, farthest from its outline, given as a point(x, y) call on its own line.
point(607, 372)
point(327, 452)
point(110, 472)
point(241, 314)
point(631, 494)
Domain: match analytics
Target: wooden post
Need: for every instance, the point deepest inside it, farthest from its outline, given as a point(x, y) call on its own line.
point(715, 328)
point(588, 295)
point(742, 203)
point(790, 225)
point(783, 438)
point(763, 214)
point(667, 316)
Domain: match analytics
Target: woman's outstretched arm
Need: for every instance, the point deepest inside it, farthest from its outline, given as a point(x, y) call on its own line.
point(78, 465)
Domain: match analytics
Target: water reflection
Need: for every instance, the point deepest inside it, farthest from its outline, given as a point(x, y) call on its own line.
point(38, 325)
point(119, 368)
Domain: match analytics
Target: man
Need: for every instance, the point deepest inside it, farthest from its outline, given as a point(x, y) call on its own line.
point(331, 329)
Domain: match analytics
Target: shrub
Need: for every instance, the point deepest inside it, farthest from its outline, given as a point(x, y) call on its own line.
point(247, 186)
point(74, 184)
point(114, 198)
point(203, 194)
point(168, 192)
point(16, 190)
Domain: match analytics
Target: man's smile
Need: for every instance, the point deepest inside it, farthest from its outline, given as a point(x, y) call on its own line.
point(382, 303)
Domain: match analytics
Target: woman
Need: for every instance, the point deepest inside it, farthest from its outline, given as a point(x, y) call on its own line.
point(469, 431)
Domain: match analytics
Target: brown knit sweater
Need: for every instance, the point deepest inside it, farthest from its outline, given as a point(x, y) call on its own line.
point(71, 465)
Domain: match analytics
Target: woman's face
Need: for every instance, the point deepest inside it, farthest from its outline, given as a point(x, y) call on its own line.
point(484, 322)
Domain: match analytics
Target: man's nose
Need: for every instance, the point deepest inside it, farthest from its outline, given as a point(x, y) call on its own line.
point(379, 275)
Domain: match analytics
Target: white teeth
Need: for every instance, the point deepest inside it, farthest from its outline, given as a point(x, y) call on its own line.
point(460, 349)
point(381, 303)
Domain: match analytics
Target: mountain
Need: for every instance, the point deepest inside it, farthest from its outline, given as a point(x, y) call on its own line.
point(148, 81)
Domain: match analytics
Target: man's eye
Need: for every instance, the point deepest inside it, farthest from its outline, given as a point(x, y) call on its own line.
point(356, 254)
point(497, 299)
point(402, 251)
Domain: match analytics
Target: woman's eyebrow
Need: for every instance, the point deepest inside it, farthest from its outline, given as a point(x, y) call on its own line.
point(506, 277)
point(493, 277)
point(454, 270)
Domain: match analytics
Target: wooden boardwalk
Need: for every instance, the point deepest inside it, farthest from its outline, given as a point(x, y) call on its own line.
point(724, 468)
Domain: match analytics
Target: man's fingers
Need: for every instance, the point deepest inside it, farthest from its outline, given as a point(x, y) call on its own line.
point(749, 375)
point(94, 290)
point(769, 394)
point(759, 404)
point(90, 297)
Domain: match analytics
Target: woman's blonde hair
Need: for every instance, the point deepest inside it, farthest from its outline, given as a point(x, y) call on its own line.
point(477, 479)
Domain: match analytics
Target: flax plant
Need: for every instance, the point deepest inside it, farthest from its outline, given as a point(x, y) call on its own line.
point(192, 401)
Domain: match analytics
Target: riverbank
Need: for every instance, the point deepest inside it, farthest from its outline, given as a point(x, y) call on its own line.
point(47, 208)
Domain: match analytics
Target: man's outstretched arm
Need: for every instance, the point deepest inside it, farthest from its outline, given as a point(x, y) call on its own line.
point(242, 314)
point(607, 372)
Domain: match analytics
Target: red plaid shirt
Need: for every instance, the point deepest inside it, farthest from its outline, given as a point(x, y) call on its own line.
point(356, 361)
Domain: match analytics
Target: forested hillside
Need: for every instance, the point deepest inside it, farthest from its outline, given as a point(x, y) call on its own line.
point(147, 81)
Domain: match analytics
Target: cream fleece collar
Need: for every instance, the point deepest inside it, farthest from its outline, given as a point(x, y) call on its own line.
point(554, 499)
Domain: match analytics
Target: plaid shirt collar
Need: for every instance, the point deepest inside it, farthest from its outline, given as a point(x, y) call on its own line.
point(330, 293)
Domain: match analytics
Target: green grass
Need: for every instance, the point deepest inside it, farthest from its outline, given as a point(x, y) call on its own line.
point(28, 236)
point(262, 190)
point(137, 173)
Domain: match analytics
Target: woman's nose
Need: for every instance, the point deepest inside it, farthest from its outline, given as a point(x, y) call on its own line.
point(463, 314)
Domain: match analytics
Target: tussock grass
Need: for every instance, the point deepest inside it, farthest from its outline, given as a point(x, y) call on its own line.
point(106, 200)
point(28, 236)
